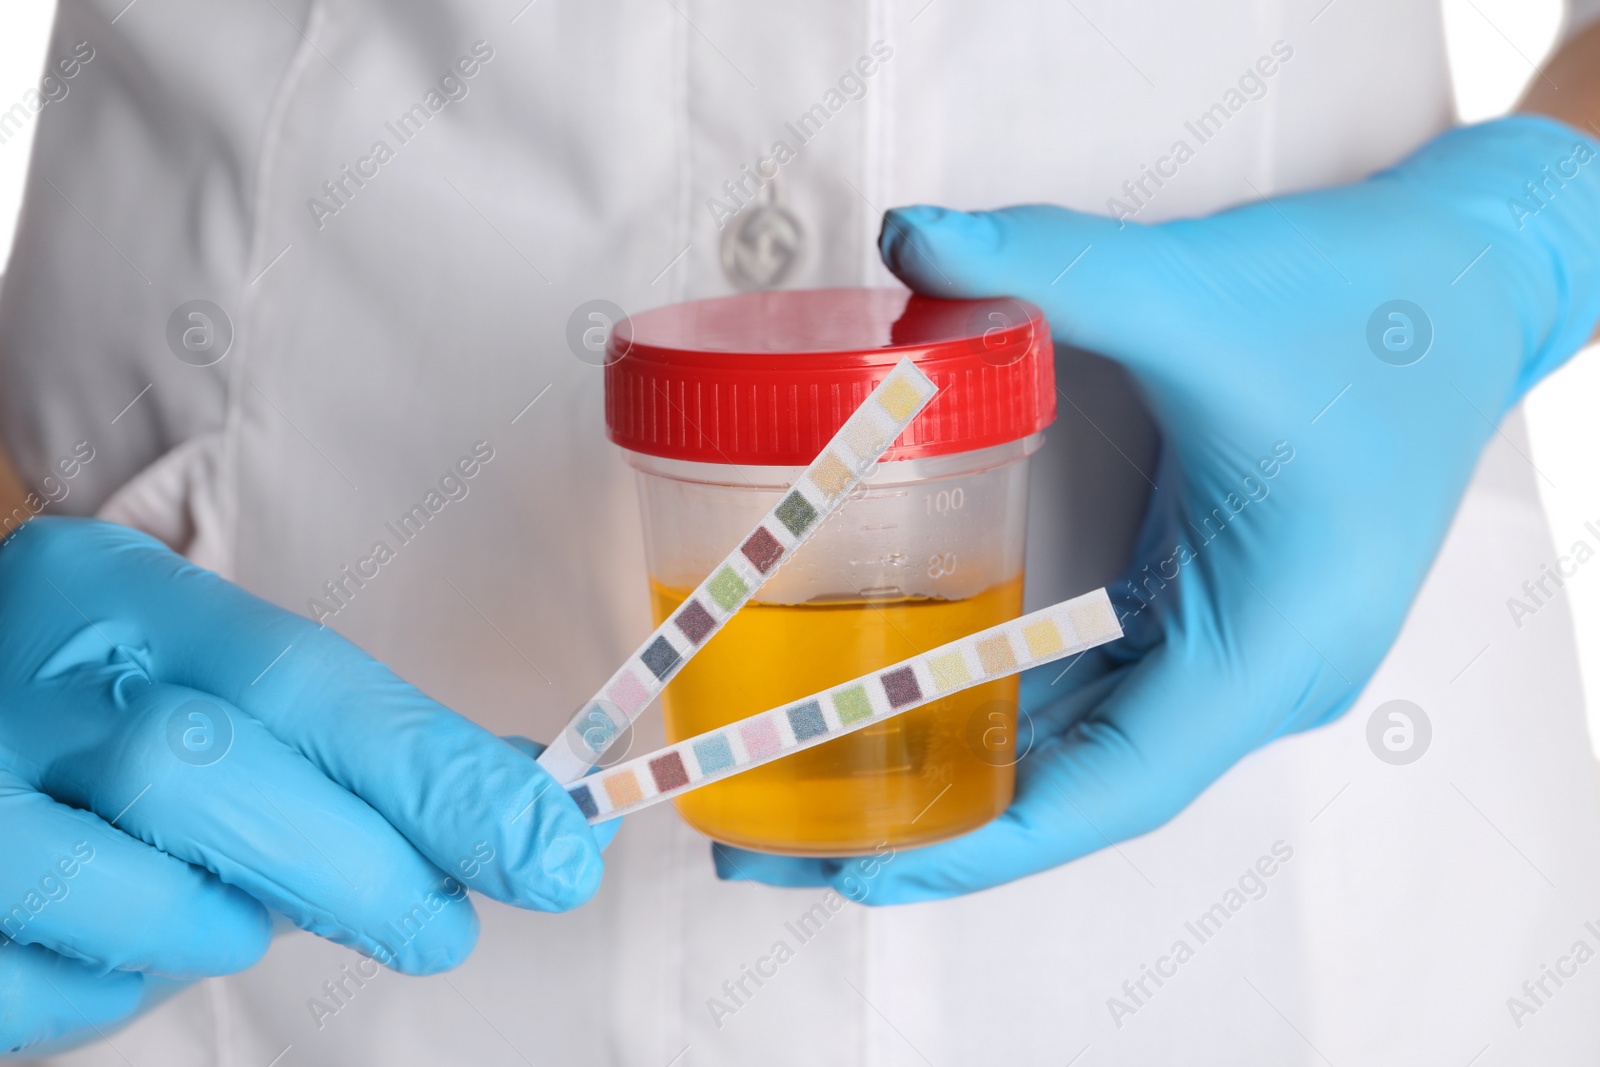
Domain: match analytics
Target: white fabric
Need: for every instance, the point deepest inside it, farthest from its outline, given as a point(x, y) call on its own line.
point(425, 315)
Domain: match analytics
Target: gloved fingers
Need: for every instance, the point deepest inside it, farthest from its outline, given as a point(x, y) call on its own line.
point(1051, 699)
point(205, 782)
point(1044, 714)
point(605, 832)
point(453, 789)
point(741, 865)
point(49, 1003)
point(1048, 710)
point(528, 747)
point(1099, 282)
point(74, 884)
point(1173, 724)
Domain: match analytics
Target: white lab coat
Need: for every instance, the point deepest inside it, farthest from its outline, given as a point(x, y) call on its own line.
point(375, 345)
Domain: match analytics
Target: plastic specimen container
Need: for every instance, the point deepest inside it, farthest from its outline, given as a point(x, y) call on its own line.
point(719, 405)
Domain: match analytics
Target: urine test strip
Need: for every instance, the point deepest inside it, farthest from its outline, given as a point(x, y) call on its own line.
point(819, 491)
point(1052, 633)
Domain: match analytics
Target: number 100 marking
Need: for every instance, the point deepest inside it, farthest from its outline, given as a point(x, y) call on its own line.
point(945, 500)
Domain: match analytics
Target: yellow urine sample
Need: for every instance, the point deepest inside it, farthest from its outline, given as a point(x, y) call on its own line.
point(923, 776)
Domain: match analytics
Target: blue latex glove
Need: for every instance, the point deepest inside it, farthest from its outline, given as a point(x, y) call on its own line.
point(1239, 329)
point(166, 777)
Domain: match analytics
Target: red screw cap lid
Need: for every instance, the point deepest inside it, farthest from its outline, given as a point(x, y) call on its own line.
point(767, 378)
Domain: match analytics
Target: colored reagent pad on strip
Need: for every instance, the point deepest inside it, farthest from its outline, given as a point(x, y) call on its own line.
point(1052, 633)
point(821, 490)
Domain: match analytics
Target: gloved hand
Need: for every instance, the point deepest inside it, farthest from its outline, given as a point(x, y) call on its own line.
point(1287, 537)
point(177, 757)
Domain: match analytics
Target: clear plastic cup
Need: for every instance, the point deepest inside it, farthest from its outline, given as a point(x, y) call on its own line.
point(928, 549)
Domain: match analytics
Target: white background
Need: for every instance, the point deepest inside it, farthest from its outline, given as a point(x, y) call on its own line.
point(1494, 47)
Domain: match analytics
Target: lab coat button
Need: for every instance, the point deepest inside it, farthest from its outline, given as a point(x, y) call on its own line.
point(762, 247)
